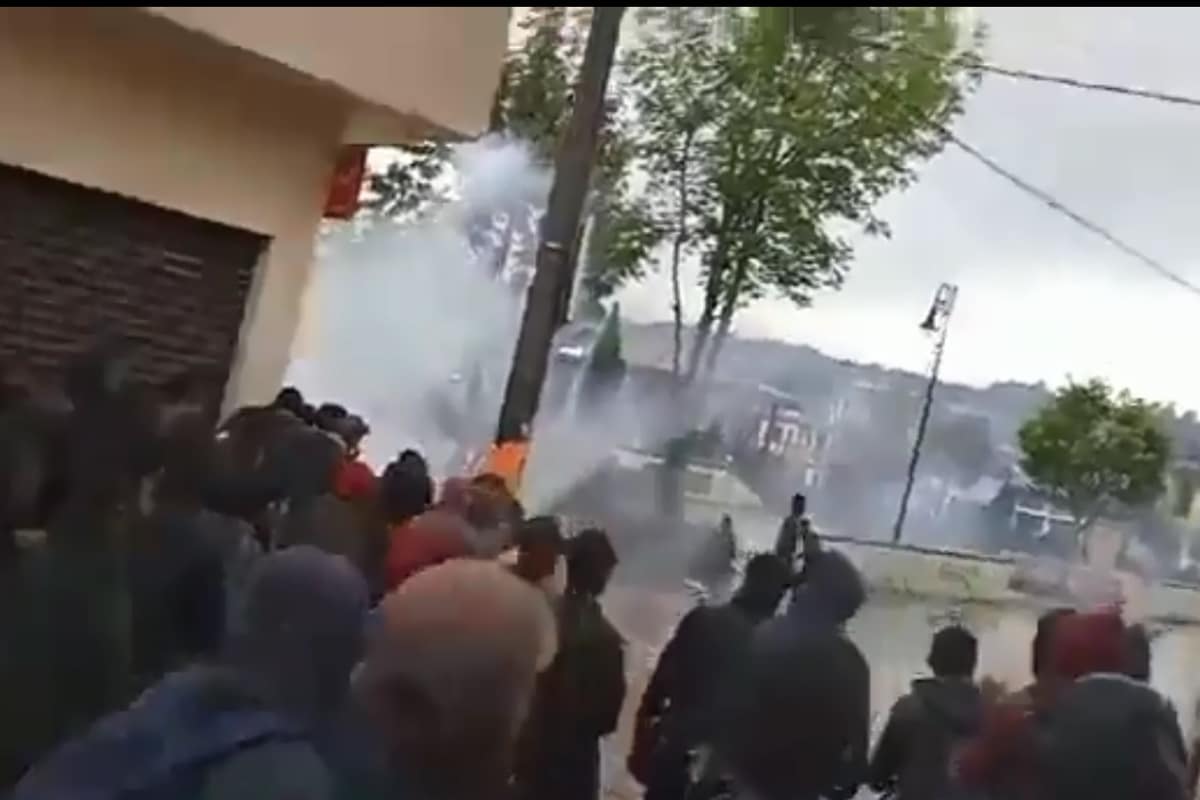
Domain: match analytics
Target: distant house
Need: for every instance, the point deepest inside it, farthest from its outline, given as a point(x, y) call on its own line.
point(1028, 510)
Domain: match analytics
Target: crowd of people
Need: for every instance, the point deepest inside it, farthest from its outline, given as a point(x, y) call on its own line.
point(195, 608)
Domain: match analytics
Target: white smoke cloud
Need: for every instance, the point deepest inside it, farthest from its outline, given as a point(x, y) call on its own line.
point(399, 315)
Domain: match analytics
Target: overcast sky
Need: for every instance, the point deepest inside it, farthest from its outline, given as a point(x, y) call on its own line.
point(1040, 298)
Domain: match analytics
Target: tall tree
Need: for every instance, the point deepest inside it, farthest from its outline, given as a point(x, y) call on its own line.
point(675, 56)
point(832, 122)
point(1093, 450)
point(789, 136)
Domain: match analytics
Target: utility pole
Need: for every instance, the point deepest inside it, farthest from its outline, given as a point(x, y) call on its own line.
point(936, 321)
point(559, 229)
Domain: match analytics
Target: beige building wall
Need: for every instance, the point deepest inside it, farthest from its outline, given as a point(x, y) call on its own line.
point(130, 104)
point(189, 118)
point(438, 63)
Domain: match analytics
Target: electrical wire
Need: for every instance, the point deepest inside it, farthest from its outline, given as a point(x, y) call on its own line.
point(1051, 201)
point(970, 62)
point(1057, 205)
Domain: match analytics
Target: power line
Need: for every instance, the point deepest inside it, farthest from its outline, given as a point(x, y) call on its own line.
point(1095, 86)
point(1051, 201)
point(971, 62)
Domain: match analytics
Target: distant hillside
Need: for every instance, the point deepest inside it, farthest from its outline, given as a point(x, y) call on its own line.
point(820, 379)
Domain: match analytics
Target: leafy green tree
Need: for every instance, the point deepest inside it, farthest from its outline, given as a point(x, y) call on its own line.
point(1093, 450)
point(605, 369)
point(751, 140)
point(675, 57)
point(822, 129)
point(406, 188)
point(786, 130)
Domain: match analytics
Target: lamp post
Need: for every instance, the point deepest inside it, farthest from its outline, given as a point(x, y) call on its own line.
point(937, 321)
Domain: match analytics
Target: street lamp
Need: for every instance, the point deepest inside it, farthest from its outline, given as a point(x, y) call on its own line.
point(937, 321)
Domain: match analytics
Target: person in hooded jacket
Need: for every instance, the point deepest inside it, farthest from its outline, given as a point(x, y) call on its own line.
point(579, 697)
point(795, 722)
point(255, 723)
point(914, 753)
point(677, 707)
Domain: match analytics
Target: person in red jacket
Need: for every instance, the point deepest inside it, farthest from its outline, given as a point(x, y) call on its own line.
point(432, 537)
point(355, 479)
point(1004, 758)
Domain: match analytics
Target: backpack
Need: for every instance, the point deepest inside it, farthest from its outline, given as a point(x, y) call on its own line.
point(1108, 736)
point(159, 748)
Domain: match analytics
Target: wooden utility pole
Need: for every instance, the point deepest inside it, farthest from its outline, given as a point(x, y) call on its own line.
point(554, 266)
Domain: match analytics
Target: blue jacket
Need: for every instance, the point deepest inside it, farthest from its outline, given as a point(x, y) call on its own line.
point(189, 736)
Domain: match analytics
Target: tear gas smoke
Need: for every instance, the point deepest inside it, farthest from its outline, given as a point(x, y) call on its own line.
point(407, 325)
point(402, 320)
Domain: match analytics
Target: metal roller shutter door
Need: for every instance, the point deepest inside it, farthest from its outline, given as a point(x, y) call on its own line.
point(76, 263)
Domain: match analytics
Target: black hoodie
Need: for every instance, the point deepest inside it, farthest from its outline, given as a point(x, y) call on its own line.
point(913, 754)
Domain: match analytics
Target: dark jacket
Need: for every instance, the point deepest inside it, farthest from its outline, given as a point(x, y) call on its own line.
point(578, 702)
point(681, 702)
point(334, 526)
point(796, 725)
point(704, 649)
point(1108, 737)
point(914, 752)
point(796, 722)
point(314, 514)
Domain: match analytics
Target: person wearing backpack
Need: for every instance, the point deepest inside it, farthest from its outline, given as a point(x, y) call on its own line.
point(254, 723)
point(912, 758)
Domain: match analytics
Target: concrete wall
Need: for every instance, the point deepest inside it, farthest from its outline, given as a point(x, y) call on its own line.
point(438, 64)
point(122, 101)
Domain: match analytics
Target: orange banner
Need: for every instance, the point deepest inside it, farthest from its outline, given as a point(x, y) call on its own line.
point(346, 184)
